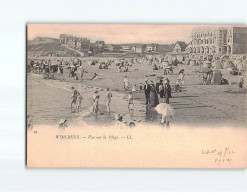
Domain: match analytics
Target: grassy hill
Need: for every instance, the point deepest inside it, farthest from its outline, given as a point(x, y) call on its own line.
point(44, 46)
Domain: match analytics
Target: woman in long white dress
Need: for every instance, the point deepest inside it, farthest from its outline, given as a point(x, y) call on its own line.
point(181, 77)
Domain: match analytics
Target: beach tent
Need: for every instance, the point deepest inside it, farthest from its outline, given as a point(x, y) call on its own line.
point(245, 64)
point(149, 62)
point(207, 64)
point(192, 63)
point(199, 62)
point(217, 64)
point(216, 80)
point(238, 63)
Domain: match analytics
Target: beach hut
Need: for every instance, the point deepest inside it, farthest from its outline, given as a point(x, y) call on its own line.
point(180, 58)
point(217, 64)
point(245, 64)
point(149, 62)
point(216, 80)
point(192, 63)
point(187, 62)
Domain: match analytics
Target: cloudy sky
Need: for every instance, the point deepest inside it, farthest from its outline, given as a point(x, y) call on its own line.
point(117, 33)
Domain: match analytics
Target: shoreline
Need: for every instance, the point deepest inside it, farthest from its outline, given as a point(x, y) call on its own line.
point(86, 116)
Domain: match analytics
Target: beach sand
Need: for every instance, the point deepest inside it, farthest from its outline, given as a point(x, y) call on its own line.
point(209, 105)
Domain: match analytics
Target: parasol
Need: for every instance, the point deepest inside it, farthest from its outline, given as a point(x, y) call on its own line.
point(165, 109)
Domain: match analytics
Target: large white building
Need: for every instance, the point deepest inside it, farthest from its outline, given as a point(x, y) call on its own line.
point(219, 41)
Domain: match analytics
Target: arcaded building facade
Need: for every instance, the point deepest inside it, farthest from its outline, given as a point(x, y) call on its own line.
point(219, 41)
point(208, 42)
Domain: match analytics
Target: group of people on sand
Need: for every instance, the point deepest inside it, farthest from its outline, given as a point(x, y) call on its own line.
point(162, 88)
point(107, 99)
point(123, 66)
point(151, 90)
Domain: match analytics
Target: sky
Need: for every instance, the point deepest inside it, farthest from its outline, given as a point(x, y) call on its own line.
point(117, 33)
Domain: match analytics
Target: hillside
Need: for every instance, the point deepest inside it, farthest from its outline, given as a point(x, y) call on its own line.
point(44, 46)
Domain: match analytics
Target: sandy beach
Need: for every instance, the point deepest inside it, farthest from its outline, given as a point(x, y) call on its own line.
point(197, 104)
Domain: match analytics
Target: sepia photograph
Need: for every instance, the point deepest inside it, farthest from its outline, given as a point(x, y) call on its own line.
point(136, 84)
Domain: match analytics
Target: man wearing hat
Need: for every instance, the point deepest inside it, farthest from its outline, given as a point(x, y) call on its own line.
point(147, 89)
point(167, 90)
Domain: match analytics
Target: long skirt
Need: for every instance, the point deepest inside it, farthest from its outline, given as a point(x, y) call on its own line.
point(154, 99)
point(167, 98)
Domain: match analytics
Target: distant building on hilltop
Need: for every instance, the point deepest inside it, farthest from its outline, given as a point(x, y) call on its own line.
point(179, 47)
point(125, 47)
point(151, 47)
point(83, 44)
point(139, 48)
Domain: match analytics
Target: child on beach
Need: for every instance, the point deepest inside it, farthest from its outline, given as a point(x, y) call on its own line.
point(241, 83)
point(119, 121)
point(134, 88)
point(140, 86)
point(82, 72)
point(73, 97)
point(108, 99)
point(126, 83)
point(96, 103)
point(130, 100)
point(79, 100)
point(177, 86)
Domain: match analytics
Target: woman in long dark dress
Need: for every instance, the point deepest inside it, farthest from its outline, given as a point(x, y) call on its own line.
point(154, 99)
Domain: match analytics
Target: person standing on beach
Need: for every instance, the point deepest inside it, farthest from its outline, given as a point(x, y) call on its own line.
point(73, 97)
point(181, 77)
point(82, 72)
point(154, 99)
point(147, 90)
point(130, 100)
point(167, 90)
point(79, 100)
point(96, 103)
point(108, 99)
point(126, 83)
point(241, 83)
